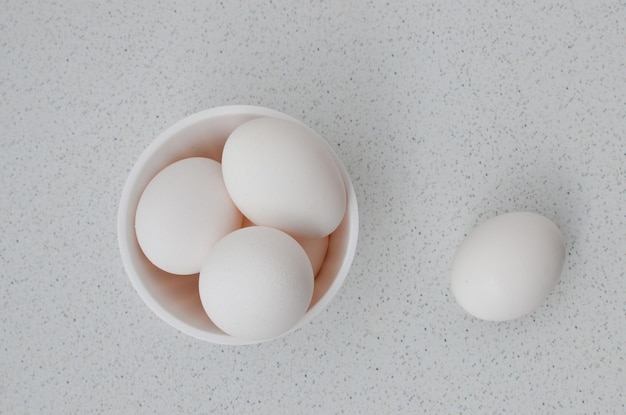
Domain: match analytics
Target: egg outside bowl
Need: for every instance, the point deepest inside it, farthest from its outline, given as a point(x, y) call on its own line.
point(176, 299)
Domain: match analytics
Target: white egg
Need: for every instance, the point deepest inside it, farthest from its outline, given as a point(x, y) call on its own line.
point(315, 248)
point(506, 267)
point(282, 174)
point(182, 213)
point(256, 283)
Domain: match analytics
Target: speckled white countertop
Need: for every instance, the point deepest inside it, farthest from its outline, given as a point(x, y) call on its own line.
point(443, 114)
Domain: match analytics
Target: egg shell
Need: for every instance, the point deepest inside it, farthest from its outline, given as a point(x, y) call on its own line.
point(506, 267)
point(282, 174)
point(315, 248)
point(256, 283)
point(183, 211)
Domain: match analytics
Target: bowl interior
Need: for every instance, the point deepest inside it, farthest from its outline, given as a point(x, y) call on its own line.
point(176, 298)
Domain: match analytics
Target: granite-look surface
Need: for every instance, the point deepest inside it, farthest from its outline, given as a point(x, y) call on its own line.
point(444, 114)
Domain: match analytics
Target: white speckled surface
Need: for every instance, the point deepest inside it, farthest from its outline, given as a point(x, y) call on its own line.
point(444, 115)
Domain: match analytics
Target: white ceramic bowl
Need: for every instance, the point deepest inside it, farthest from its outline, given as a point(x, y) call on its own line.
point(174, 298)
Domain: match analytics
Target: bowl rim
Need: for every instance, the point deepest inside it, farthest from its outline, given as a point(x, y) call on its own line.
point(123, 224)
